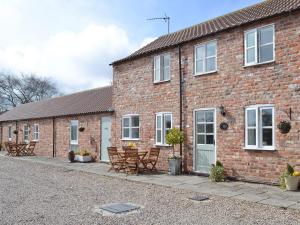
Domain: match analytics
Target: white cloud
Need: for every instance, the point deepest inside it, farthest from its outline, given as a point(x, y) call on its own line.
point(76, 60)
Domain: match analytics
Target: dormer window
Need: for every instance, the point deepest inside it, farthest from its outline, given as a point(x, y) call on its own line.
point(161, 68)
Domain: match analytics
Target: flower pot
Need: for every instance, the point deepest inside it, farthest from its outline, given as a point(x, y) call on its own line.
point(81, 158)
point(71, 156)
point(291, 183)
point(175, 166)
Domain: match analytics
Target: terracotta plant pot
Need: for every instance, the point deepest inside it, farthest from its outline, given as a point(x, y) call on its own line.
point(291, 183)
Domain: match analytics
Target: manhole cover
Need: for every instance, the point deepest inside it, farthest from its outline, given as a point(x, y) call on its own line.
point(119, 207)
point(199, 198)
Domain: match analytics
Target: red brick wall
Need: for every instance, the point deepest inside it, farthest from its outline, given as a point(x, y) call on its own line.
point(44, 147)
point(233, 86)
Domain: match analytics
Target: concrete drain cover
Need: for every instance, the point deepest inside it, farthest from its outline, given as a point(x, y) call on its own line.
point(118, 208)
point(199, 198)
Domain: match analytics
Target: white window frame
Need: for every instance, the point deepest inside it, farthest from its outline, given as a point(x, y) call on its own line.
point(10, 132)
point(26, 140)
point(259, 128)
point(161, 70)
point(36, 132)
point(257, 45)
point(205, 58)
point(163, 128)
point(129, 116)
point(73, 142)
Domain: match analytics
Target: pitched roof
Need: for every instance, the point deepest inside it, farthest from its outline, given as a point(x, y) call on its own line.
point(265, 9)
point(85, 102)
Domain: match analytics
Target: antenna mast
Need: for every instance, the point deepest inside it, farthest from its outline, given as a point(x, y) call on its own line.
point(164, 18)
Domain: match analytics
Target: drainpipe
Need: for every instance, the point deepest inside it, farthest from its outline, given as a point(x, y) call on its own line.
point(180, 95)
point(53, 137)
point(17, 129)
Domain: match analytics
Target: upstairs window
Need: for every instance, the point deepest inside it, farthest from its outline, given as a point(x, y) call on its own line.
point(74, 135)
point(206, 58)
point(163, 125)
point(36, 132)
point(259, 128)
point(26, 133)
point(161, 68)
point(131, 127)
point(9, 133)
point(259, 45)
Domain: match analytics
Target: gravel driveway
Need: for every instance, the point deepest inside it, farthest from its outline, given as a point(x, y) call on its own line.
point(33, 193)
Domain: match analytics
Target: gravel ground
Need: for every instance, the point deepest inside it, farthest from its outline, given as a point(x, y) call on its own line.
point(33, 193)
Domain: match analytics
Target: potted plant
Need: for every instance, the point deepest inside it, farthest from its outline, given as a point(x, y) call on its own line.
point(284, 126)
point(291, 178)
point(71, 156)
point(83, 156)
point(132, 145)
point(174, 137)
point(15, 131)
point(217, 172)
point(81, 129)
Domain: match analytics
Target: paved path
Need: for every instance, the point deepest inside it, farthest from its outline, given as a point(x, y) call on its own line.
point(258, 193)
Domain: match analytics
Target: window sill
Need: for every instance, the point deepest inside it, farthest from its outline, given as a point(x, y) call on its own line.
point(259, 149)
point(162, 145)
point(159, 82)
point(130, 139)
point(259, 64)
point(206, 73)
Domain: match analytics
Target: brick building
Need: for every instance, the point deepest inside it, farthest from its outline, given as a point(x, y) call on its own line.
point(240, 70)
point(54, 123)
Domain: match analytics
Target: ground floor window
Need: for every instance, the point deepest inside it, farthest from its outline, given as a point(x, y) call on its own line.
point(131, 127)
point(36, 132)
point(26, 133)
point(9, 133)
point(259, 127)
point(163, 125)
point(74, 135)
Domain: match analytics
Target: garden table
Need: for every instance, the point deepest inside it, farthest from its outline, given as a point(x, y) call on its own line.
point(140, 158)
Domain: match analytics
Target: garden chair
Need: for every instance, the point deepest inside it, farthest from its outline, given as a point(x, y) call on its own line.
point(7, 147)
point(115, 161)
point(30, 148)
point(131, 160)
point(150, 161)
point(13, 149)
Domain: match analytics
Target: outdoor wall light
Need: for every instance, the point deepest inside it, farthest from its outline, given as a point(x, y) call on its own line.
point(222, 110)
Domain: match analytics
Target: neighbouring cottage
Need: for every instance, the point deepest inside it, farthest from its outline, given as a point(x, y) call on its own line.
point(227, 83)
point(55, 123)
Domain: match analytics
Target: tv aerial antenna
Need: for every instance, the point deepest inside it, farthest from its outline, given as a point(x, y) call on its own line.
point(165, 18)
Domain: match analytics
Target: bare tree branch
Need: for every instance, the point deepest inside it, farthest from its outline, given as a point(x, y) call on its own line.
point(15, 90)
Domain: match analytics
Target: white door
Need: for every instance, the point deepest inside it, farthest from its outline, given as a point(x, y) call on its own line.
point(205, 135)
point(105, 137)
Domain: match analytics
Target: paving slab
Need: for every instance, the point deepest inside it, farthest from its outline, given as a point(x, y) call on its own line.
point(251, 197)
point(278, 202)
point(295, 206)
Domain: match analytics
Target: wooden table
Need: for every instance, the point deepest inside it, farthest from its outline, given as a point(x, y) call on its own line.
point(141, 156)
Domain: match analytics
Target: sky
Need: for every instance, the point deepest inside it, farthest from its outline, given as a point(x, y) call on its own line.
point(72, 42)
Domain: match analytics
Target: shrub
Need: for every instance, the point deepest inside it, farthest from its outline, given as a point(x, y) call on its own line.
point(174, 136)
point(83, 152)
point(217, 172)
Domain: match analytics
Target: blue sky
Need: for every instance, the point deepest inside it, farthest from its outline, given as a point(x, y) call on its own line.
point(73, 41)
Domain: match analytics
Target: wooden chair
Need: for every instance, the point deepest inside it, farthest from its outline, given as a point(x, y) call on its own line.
point(150, 161)
point(21, 149)
point(131, 160)
point(13, 149)
point(7, 147)
point(115, 161)
point(30, 148)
